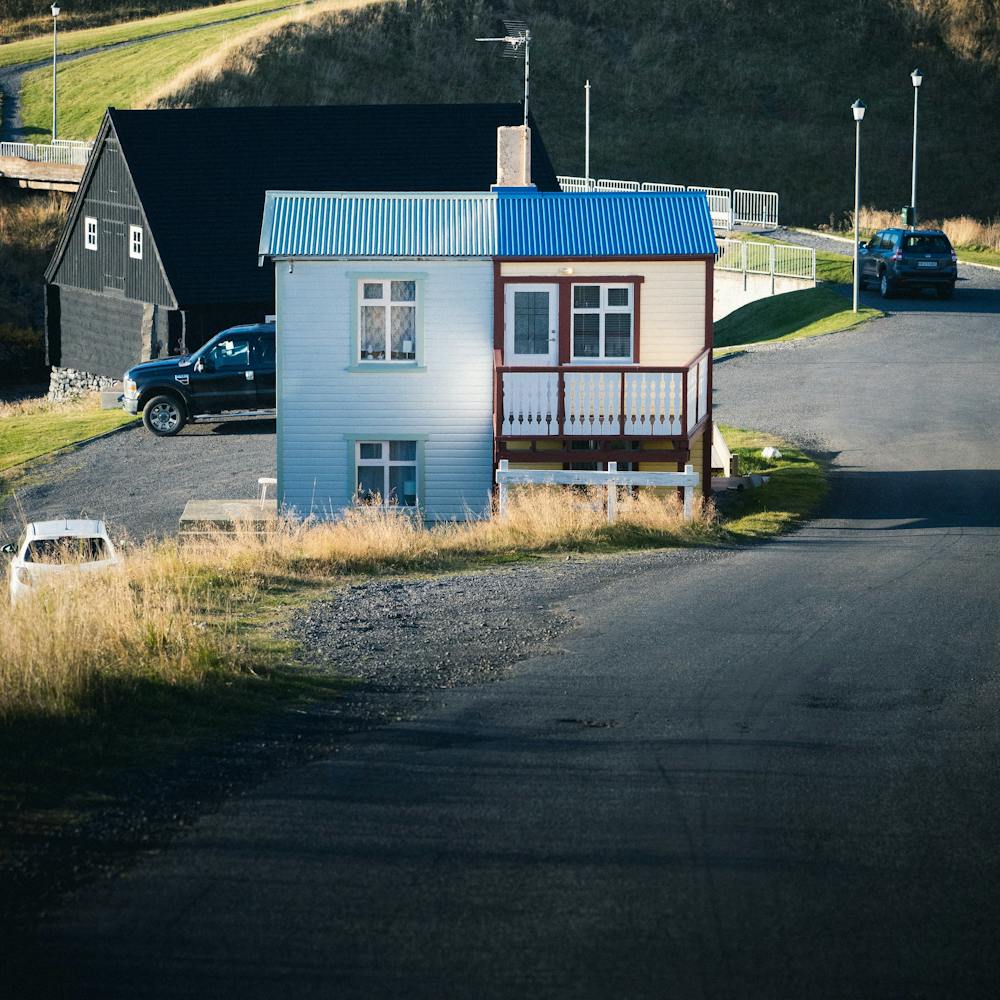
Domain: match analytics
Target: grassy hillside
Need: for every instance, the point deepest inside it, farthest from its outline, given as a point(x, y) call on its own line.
point(738, 93)
point(25, 18)
point(127, 77)
point(34, 49)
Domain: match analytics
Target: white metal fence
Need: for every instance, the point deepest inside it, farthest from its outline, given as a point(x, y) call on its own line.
point(68, 152)
point(729, 207)
point(779, 260)
point(612, 479)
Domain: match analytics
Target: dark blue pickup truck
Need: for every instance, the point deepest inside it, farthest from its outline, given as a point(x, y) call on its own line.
point(233, 375)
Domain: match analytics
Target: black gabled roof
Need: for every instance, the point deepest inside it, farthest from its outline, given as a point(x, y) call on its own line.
point(201, 174)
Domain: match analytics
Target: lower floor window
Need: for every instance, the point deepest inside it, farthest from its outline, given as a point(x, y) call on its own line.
point(387, 473)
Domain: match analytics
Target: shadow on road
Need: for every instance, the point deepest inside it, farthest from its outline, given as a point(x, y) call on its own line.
point(947, 498)
point(250, 427)
point(968, 298)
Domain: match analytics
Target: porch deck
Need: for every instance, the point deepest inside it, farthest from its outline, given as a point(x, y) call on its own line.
point(612, 405)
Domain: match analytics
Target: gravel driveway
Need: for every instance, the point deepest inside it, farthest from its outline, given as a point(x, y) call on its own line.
point(140, 483)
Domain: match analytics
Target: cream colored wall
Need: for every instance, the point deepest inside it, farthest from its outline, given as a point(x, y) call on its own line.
point(671, 302)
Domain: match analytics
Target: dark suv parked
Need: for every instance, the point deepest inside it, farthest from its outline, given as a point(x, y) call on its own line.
point(896, 258)
point(233, 374)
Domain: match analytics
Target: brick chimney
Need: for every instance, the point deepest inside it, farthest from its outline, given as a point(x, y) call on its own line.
point(513, 157)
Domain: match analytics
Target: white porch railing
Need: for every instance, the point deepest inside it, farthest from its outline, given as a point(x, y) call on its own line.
point(781, 260)
point(611, 480)
point(605, 401)
point(68, 152)
point(729, 207)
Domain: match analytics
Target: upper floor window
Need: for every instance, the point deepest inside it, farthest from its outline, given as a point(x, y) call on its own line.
point(387, 320)
point(90, 232)
point(135, 242)
point(602, 323)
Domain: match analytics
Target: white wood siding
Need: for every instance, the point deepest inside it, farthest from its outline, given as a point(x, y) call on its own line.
point(672, 302)
point(321, 404)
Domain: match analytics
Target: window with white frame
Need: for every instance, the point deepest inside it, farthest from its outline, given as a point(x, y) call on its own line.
point(135, 242)
point(387, 473)
point(602, 323)
point(387, 320)
point(90, 232)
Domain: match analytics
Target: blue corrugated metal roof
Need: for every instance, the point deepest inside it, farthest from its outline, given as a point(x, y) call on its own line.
point(378, 225)
point(495, 224)
point(604, 224)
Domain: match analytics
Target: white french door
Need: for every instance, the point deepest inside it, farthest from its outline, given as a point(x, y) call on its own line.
point(531, 324)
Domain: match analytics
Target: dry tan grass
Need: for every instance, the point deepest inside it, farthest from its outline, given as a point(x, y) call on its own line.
point(86, 403)
point(93, 637)
point(962, 231)
point(171, 616)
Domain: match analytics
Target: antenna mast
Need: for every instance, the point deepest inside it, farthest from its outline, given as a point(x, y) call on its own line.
point(518, 36)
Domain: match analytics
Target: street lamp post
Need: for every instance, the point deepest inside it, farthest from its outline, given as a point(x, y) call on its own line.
point(918, 78)
point(55, 51)
point(858, 108)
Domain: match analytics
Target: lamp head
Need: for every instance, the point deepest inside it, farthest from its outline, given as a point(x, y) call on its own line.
point(55, 10)
point(917, 77)
point(858, 107)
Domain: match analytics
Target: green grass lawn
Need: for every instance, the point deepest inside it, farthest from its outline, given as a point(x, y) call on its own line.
point(797, 486)
point(33, 49)
point(39, 431)
point(121, 78)
point(791, 316)
point(978, 255)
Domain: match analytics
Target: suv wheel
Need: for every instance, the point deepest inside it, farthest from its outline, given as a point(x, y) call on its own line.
point(164, 415)
point(885, 286)
point(946, 291)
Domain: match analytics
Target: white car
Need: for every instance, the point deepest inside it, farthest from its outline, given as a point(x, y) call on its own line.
point(49, 548)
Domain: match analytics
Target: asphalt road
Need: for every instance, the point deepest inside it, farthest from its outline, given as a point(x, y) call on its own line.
point(769, 774)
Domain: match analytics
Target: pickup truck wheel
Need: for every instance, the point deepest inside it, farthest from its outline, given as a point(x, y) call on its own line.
point(164, 415)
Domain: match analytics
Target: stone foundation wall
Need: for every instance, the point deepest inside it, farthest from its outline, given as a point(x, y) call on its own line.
point(68, 383)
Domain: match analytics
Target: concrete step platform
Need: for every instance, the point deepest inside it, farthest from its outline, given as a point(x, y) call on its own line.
point(208, 517)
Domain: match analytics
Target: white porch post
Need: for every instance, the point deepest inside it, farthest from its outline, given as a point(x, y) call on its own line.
point(688, 495)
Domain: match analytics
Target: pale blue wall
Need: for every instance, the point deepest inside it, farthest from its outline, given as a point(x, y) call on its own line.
point(322, 404)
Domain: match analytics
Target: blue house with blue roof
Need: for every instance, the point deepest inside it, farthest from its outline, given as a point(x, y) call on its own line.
point(423, 337)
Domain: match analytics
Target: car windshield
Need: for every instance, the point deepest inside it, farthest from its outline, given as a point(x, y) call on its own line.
point(67, 549)
point(926, 244)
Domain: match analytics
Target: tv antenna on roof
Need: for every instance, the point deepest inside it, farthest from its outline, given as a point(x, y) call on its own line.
point(518, 37)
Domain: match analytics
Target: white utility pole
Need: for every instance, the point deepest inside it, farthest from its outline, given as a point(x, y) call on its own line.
point(858, 108)
point(586, 133)
point(917, 78)
point(55, 52)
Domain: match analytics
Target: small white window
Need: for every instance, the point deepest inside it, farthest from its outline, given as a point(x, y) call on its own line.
point(90, 232)
point(135, 242)
point(602, 323)
point(387, 320)
point(387, 473)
